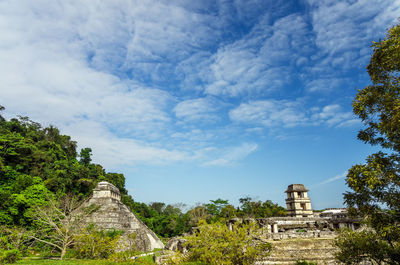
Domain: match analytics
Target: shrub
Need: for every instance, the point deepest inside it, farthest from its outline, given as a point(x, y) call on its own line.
point(10, 256)
point(362, 246)
point(13, 238)
point(126, 251)
point(217, 244)
point(96, 244)
point(176, 258)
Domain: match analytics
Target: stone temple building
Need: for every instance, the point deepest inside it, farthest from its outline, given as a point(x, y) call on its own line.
point(298, 203)
point(113, 214)
point(304, 226)
point(301, 221)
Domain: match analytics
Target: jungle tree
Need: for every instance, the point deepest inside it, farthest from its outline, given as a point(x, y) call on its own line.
point(375, 185)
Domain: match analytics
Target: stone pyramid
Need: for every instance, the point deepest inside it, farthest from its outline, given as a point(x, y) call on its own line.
point(113, 214)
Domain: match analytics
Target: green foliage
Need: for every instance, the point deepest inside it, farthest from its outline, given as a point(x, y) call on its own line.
point(10, 256)
point(215, 207)
point(85, 156)
point(378, 104)
point(119, 257)
point(197, 214)
point(164, 220)
point(216, 244)
point(259, 209)
point(144, 260)
point(128, 249)
point(220, 210)
point(93, 243)
point(36, 162)
point(358, 246)
point(193, 263)
point(169, 221)
point(375, 185)
point(13, 238)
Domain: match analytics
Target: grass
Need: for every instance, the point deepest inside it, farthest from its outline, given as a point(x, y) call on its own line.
point(146, 260)
point(30, 261)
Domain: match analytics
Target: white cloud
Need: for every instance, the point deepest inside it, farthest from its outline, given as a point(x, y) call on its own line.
point(86, 104)
point(85, 67)
point(117, 75)
point(343, 28)
point(269, 113)
point(283, 113)
point(63, 89)
point(332, 115)
point(257, 62)
point(326, 84)
point(194, 135)
point(200, 109)
point(342, 32)
point(114, 151)
point(141, 38)
point(163, 39)
point(192, 71)
point(45, 75)
point(332, 179)
point(231, 155)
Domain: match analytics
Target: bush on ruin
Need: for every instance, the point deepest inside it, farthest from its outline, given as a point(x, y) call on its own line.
point(217, 244)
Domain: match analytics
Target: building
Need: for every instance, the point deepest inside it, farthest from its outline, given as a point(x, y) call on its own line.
point(340, 218)
point(113, 214)
point(298, 203)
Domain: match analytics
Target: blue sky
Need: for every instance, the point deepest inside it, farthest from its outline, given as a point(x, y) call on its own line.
point(198, 100)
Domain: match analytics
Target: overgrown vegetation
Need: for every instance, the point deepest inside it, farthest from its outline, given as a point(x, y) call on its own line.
point(43, 179)
point(10, 256)
point(93, 243)
point(217, 244)
point(142, 261)
point(37, 163)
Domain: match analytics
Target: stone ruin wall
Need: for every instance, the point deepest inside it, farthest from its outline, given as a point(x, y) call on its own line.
point(300, 238)
point(276, 228)
point(292, 238)
point(289, 251)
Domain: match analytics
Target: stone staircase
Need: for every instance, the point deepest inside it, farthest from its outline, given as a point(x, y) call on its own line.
point(288, 251)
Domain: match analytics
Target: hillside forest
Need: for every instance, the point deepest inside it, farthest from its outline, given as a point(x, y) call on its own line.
point(38, 163)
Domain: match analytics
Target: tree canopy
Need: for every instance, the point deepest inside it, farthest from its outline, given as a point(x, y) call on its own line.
point(375, 185)
point(36, 161)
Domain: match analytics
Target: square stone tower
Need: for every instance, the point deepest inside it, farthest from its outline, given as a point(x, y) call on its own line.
point(298, 203)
